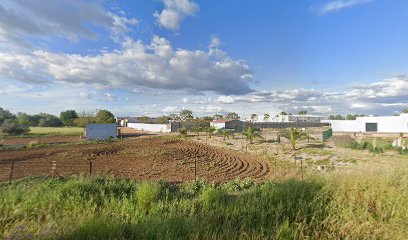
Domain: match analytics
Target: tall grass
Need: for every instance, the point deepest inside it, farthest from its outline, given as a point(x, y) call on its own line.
point(365, 203)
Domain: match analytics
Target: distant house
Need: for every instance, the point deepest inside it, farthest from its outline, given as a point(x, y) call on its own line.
point(296, 118)
point(233, 124)
point(100, 131)
point(380, 124)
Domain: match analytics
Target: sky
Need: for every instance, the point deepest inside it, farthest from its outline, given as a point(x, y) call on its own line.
point(157, 57)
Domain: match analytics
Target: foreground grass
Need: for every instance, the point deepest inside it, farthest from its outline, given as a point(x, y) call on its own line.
point(364, 203)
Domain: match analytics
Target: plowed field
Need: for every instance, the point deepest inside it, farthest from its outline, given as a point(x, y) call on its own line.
point(150, 158)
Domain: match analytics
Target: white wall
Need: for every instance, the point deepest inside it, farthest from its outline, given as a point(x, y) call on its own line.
point(386, 124)
point(150, 127)
point(217, 125)
point(100, 131)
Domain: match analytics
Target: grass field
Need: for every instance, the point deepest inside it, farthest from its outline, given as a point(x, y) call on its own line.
point(49, 131)
point(366, 202)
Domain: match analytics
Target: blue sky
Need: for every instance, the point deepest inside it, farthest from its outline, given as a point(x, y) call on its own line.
point(158, 57)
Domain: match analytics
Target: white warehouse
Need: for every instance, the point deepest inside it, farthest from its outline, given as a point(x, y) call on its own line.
point(380, 124)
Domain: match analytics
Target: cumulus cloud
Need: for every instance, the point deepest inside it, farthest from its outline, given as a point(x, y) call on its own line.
point(387, 96)
point(20, 19)
point(174, 13)
point(338, 5)
point(155, 65)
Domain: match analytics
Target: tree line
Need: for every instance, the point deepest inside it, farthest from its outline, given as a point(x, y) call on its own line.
point(14, 124)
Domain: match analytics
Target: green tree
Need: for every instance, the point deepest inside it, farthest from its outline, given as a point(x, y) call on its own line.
point(84, 119)
point(163, 119)
point(283, 113)
point(197, 131)
point(48, 120)
point(11, 127)
point(254, 117)
point(25, 119)
point(266, 117)
point(225, 134)
point(104, 116)
point(251, 133)
point(207, 118)
point(5, 114)
point(302, 112)
point(405, 111)
point(186, 114)
point(293, 135)
point(67, 117)
point(232, 115)
point(183, 132)
point(218, 116)
point(210, 130)
point(145, 119)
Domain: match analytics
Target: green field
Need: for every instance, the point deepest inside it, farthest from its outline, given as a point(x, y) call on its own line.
point(366, 202)
point(50, 131)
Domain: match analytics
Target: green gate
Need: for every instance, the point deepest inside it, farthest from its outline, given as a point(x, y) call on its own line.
point(327, 134)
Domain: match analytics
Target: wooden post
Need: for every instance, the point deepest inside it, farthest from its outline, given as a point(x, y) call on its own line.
point(11, 171)
point(301, 167)
point(195, 169)
point(90, 168)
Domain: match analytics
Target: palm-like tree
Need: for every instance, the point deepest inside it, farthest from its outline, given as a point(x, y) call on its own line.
point(251, 133)
point(254, 117)
point(266, 117)
point(225, 134)
point(183, 132)
point(197, 131)
point(294, 135)
point(210, 130)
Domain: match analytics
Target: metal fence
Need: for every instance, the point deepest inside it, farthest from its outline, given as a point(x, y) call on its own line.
point(175, 126)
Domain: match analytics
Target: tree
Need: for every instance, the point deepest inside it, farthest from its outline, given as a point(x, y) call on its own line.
point(302, 112)
point(266, 117)
point(217, 117)
point(198, 130)
point(186, 114)
point(232, 115)
point(104, 116)
point(336, 117)
point(5, 114)
point(225, 134)
point(183, 132)
point(25, 119)
point(293, 135)
point(210, 130)
point(208, 118)
point(405, 111)
point(251, 133)
point(68, 117)
point(254, 117)
point(48, 120)
point(283, 113)
point(11, 127)
point(84, 118)
point(163, 119)
point(145, 119)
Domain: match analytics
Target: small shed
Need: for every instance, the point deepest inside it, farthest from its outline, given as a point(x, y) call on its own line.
point(100, 131)
point(233, 124)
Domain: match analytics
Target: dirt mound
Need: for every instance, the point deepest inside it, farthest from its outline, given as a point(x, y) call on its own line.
point(151, 158)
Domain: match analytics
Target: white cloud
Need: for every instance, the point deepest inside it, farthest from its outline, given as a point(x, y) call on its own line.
point(171, 109)
point(136, 65)
point(185, 100)
point(174, 13)
point(226, 99)
point(23, 19)
point(338, 5)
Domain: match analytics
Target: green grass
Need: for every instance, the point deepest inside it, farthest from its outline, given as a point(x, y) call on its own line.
point(55, 131)
point(365, 203)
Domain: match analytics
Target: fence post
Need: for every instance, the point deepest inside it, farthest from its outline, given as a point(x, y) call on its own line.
point(90, 168)
point(11, 171)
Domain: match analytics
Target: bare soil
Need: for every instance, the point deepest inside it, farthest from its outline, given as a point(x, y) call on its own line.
point(149, 158)
point(42, 139)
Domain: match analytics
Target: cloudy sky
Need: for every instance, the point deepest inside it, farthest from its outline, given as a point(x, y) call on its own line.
point(157, 57)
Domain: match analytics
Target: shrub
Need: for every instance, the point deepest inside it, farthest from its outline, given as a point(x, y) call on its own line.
point(148, 193)
point(196, 187)
point(12, 128)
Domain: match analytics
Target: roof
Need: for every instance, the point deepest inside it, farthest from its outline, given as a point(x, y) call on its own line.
point(225, 120)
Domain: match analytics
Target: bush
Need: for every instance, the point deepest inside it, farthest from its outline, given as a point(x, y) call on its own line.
point(148, 193)
point(213, 197)
point(12, 128)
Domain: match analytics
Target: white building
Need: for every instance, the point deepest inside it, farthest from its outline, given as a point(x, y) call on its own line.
point(381, 124)
point(296, 118)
